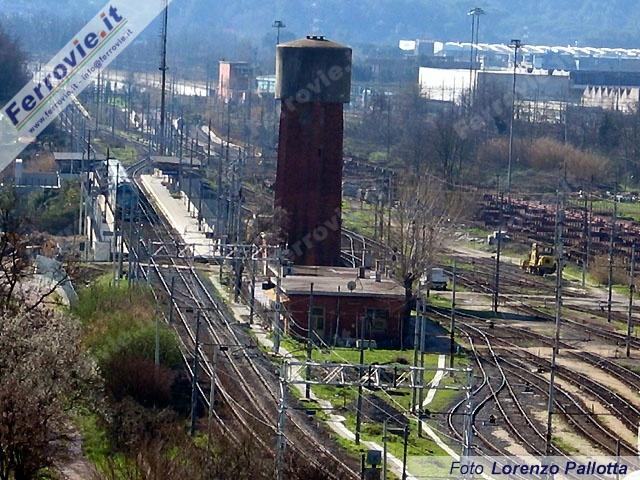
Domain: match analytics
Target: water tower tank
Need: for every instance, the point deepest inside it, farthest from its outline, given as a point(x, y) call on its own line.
point(313, 81)
point(313, 69)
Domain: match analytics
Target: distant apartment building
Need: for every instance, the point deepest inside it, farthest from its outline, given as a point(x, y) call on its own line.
point(234, 80)
point(265, 85)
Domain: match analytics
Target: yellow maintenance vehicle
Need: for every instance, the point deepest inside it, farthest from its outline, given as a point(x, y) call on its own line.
point(540, 261)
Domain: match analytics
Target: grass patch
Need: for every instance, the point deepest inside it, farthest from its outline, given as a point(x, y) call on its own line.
point(359, 219)
point(625, 209)
point(95, 444)
point(127, 155)
point(120, 322)
point(565, 446)
point(438, 301)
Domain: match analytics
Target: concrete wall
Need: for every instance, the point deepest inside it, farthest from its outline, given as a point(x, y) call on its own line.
point(450, 85)
point(443, 84)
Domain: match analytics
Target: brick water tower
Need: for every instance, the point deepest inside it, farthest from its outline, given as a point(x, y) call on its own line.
point(313, 82)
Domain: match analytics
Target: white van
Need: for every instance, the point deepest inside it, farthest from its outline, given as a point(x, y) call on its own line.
point(436, 281)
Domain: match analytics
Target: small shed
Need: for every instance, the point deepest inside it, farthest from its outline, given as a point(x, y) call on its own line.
point(344, 301)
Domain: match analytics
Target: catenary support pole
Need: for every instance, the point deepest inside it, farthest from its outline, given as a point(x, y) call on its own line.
point(612, 234)
point(310, 330)
point(496, 289)
point(559, 247)
point(359, 401)
point(452, 328)
point(194, 378)
point(278, 306)
point(632, 288)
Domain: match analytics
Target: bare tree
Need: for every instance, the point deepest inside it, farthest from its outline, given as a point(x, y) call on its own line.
point(422, 220)
point(448, 144)
point(43, 371)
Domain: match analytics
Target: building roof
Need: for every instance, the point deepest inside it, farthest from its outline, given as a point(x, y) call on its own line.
point(76, 156)
point(326, 281)
point(312, 41)
point(186, 161)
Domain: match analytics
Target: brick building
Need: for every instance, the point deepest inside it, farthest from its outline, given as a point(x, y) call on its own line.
point(342, 299)
point(234, 80)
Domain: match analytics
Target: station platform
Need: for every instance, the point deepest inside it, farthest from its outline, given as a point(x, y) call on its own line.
point(182, 217)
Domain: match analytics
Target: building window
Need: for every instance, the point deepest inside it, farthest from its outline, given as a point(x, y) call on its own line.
point(317, 318)
point(379, 320)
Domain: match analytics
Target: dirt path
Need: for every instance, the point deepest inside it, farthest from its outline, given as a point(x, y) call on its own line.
point(562, 430)
point(602, 412)
point(603, 378)
point(77, 467)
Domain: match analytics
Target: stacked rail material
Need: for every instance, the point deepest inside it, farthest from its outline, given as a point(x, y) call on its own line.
point(584, 228)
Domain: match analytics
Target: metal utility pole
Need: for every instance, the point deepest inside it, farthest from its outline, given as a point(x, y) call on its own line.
point(423, 331)
point(194, 377)
point(163, 69)
point(496, 289)
point(98, 94)
point(337, 331)
point(116, 224)
point(559, 247)
point(282, 414)
point(83, 206)
point(278, 25)
point(468, 420)
point(278, 306)
point(156, 356)
point(611, 244)
point(209, 144)
point(359, 402)
point(252, 304)
point(172, 296)
point(586, 234)
point(632, 288)
point(384, 450)
point(452, 332)
point(416, 345)
point(212, 388)
point(309, 338)
point(405, 434)
point(516, 45)
point(390, 208)
point(132, 216)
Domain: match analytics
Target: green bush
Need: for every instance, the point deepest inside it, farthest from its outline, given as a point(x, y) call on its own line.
point(120, 322)
point(55, 212)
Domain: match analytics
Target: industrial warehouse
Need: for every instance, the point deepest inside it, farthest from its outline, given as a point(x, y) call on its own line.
point(368, 240)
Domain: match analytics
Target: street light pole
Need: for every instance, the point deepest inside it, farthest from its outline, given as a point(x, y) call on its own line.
point(473, 38)
point(516, 45)
point(475, 14)
point(278, 25)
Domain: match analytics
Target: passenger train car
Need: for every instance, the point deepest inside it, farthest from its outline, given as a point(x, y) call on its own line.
point(121, 191)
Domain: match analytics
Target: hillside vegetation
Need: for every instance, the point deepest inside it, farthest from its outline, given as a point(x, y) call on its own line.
point(366, 21)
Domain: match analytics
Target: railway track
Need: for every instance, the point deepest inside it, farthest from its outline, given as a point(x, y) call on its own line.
point(519, 368)
point(486, 284)
point(357, 244)
point(620, 408)
point(249, 387)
